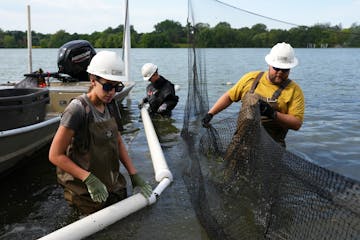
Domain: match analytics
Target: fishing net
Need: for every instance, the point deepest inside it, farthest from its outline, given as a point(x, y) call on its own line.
point(243, 185)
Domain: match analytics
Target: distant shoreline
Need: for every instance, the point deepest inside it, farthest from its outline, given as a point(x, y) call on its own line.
point(171, 34)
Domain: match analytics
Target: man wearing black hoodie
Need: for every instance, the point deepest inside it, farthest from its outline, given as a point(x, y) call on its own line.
point(160, 93)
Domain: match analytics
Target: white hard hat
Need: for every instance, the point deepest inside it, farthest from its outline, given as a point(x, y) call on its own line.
point(282, 56)
point(108, 65)
point(147, 70)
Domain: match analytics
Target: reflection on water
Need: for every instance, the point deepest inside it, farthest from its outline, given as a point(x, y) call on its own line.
point(167, 132)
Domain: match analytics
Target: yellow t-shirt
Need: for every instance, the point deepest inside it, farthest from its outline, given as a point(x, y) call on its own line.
point(291, 100)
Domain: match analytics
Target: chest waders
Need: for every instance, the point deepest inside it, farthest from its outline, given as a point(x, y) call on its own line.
point(274, 129)
point(99, 154)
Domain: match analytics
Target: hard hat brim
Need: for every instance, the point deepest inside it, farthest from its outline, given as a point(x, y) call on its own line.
point(147, 78)
point(277, 64)
point(114, 78)
point(110, 77)
point(152, 74)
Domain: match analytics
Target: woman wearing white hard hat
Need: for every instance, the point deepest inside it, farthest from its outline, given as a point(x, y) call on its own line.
point(282, 103)
point(88, 145)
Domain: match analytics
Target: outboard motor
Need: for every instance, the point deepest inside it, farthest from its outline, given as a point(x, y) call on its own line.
point(74, 57)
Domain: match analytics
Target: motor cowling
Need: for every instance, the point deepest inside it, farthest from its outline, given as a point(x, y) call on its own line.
point(74, 58)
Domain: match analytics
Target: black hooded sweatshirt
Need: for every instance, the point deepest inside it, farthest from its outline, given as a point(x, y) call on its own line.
point(159, 92)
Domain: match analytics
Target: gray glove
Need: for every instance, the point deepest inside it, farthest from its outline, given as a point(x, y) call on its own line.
point(96, 188)
point(162, 108)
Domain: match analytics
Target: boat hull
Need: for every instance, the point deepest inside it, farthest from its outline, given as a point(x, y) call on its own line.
point(20, 143)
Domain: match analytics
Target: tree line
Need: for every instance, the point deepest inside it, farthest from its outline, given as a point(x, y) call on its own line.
point(171, 34)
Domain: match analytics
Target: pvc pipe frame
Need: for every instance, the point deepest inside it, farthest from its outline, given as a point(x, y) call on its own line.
point(107, 216)
point(159, 163)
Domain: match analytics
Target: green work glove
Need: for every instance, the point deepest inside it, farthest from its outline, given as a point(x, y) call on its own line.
point(96, 188)
point(137, 181)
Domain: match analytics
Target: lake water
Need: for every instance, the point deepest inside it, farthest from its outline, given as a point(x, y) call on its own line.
point(329, 136)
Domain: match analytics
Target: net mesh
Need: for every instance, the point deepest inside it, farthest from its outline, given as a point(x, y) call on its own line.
point(243, 185)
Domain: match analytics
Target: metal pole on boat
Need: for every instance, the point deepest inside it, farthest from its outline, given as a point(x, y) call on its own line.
point(29, 40)
point(127, 42)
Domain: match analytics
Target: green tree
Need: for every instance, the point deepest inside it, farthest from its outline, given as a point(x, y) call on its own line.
point(2, 35)
point(153, 40)
point(244, 37)
point(9, 42)
point(204, 36)
point(59, 38)
point(224, 35)
point(298, 37)
point(260, 40)
point(277, 35)
point(354, 36)
point(259, 28)
point(174, 31)
point(169, 33)
point(113, 40)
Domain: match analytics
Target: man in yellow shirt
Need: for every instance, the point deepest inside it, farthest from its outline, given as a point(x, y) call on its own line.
point(282, 100)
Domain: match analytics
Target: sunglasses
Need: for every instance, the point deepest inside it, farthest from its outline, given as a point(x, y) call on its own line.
point(107, 87)
point(280, 69)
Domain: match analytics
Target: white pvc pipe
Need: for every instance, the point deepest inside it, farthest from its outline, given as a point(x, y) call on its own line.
point(29, 40)
point(161, 186)
point(159, 163)
point(100, 219)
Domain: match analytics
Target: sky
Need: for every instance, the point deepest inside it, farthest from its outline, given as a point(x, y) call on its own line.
point(87, 16)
